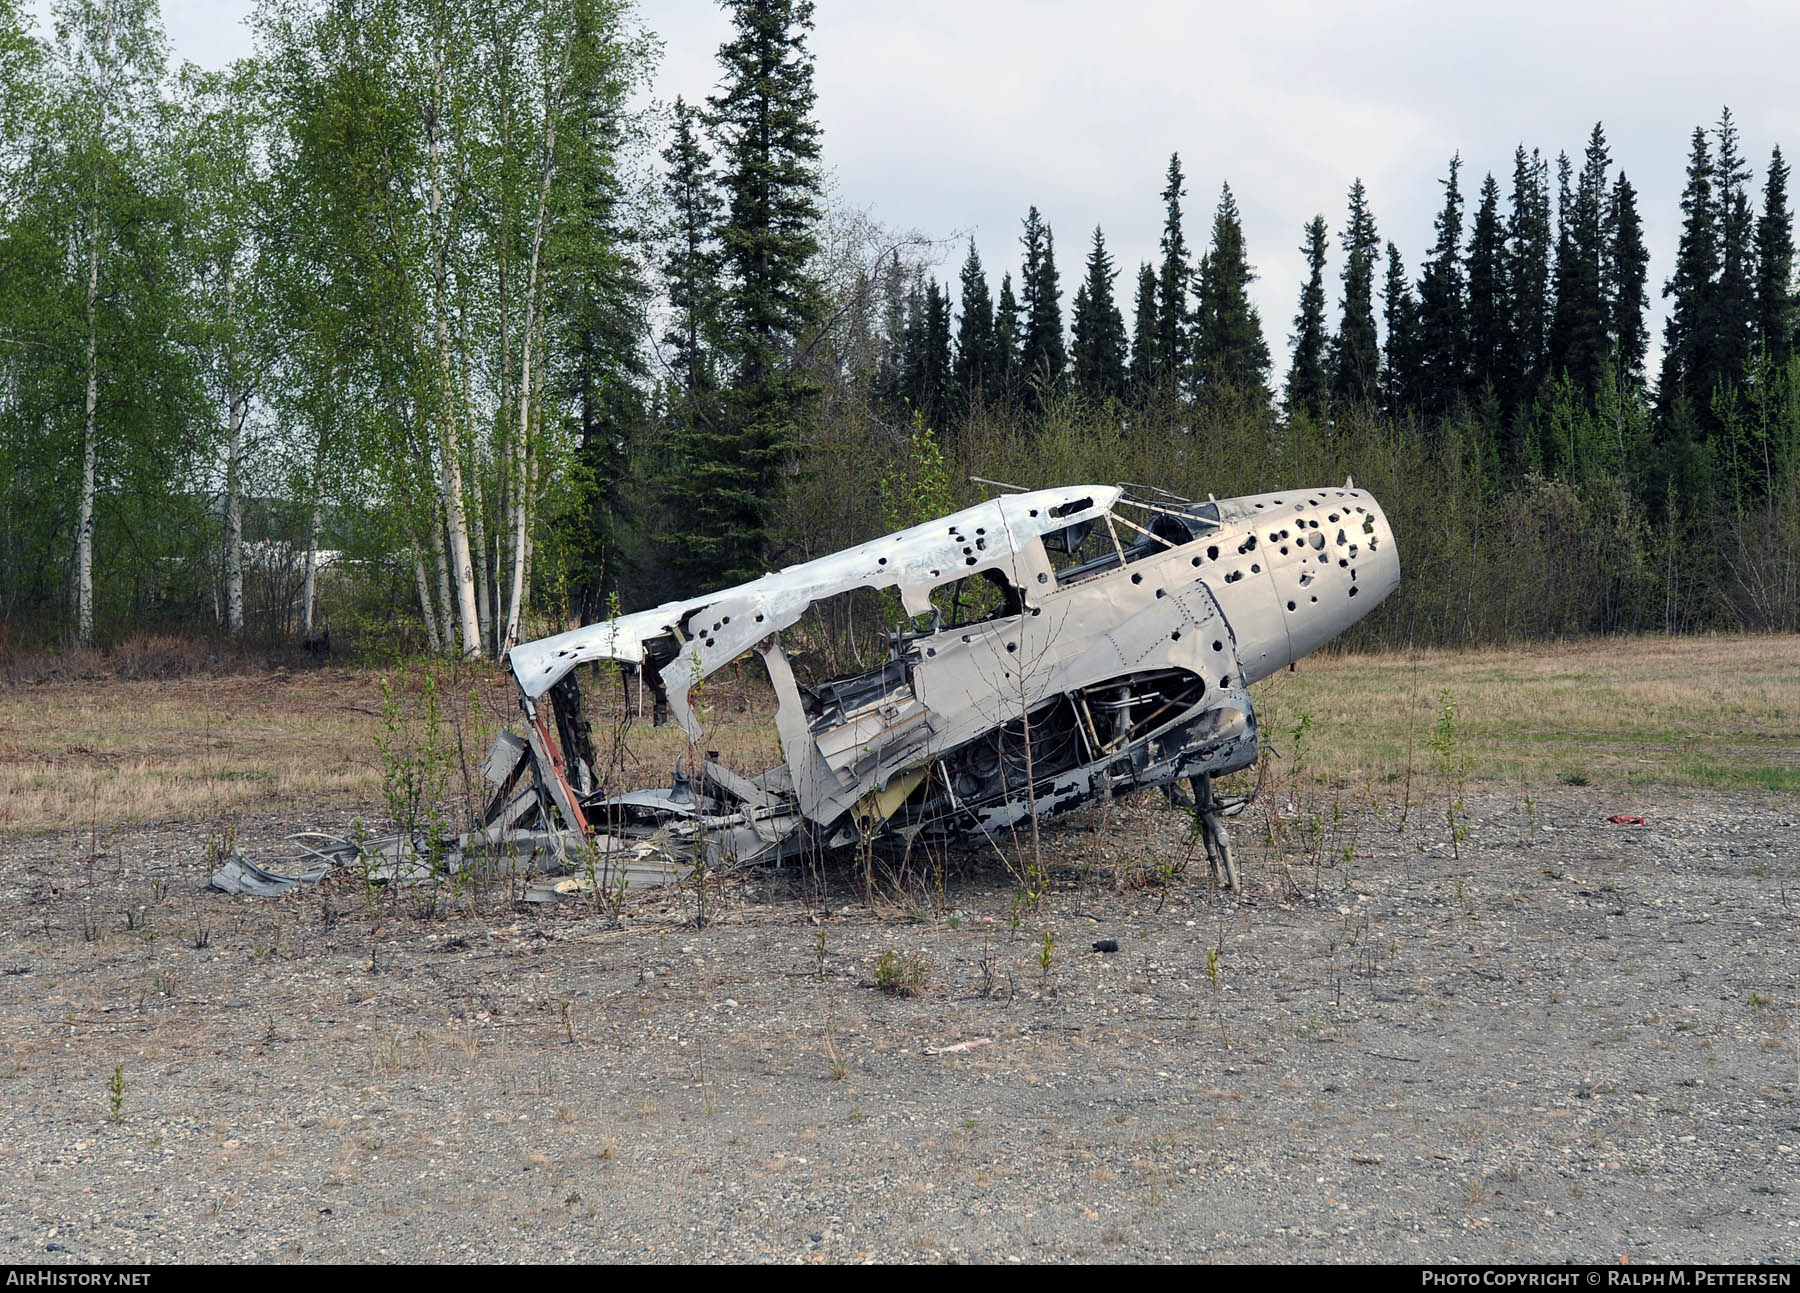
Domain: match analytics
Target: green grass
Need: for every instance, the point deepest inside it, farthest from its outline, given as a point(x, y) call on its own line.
point(1712, 713)
point(1716, 713)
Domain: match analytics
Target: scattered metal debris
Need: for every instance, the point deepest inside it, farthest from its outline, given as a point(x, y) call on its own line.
point(1048, 649)
point(958, 1048)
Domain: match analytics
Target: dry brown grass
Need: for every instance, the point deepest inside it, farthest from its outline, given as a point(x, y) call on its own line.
point(1719, 712)
point(109, 752)
point(1716, 712)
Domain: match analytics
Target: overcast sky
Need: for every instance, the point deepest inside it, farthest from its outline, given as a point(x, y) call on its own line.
point(956, 115)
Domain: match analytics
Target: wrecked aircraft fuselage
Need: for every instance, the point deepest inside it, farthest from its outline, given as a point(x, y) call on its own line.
point(1054, 648)
point(1059, 646)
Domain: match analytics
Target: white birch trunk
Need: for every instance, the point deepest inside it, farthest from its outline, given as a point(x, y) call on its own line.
point(90, 449)
point(310, 593)
point(484, 606)
point(425, 608)
point(90, 443)
point(499, 591)
point(446, 622)
point(484, 599)
point(521, 465)
point(236, 404)
point(468, 634)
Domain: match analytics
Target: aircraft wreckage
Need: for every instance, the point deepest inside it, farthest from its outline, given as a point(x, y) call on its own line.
point(1054, 647)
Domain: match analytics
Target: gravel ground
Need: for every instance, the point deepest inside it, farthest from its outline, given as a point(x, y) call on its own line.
point(1576, 1041)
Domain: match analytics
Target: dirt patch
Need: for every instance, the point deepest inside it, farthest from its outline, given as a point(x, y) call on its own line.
point(1577, 1040)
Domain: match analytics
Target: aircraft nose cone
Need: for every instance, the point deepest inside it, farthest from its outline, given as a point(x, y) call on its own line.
point(1308, 566)
point(1344, 564)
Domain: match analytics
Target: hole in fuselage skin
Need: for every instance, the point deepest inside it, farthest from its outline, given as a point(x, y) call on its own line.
point(1218, 646)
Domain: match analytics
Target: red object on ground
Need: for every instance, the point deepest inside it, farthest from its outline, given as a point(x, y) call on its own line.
point(1627, 821)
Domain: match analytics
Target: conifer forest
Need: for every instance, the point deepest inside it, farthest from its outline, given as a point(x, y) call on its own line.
point(428, 320)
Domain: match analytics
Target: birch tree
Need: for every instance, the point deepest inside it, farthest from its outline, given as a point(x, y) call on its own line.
point(111, 57)
point(223, 175)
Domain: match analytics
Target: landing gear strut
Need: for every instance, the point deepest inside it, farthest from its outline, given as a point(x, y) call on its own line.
point(1210, 818)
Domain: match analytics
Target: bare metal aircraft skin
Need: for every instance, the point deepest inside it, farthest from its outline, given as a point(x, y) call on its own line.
point(1122, 631)
point(1112, 634)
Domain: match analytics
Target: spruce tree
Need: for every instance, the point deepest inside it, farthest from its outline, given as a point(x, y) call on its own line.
point(690, 264)
point(1528, 288)
point(1490, 307)
point(888, 385)
point(974, 332)
point(1734, 300)
point(1042, 357)
point(910, 386)
point(1097, 347)
point(1562, 293)
point(925, 381)
point(1004, 380)
point(1400, 370)
point(768, 145)
point(1775, 301)
point(1442, 306)
point(599, 297)
point(1355, 352)
point(1684, 392)
point(1308, 382)
point(1627, 269)
point(1582, 314)
point(1229, 350)
point(1172, 317)
point(1686, 331)
point(934, 384)
point(1143, 333)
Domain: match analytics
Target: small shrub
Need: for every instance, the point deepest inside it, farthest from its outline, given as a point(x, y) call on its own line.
point(145, 656)
point(902, 974)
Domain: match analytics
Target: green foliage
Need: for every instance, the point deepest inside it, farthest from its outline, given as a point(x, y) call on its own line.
point(1443, 325)
point(918, 487)
point(396, 272)
point(979, 371)
point(1453, 765)
point(416, 763)
point(1098, 330)
point(1308, 380)
point(729, 460)
point(1355, 354)
point(1042, 357)
point(1228, 346)
point(1165, 362)
point(902, 974)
